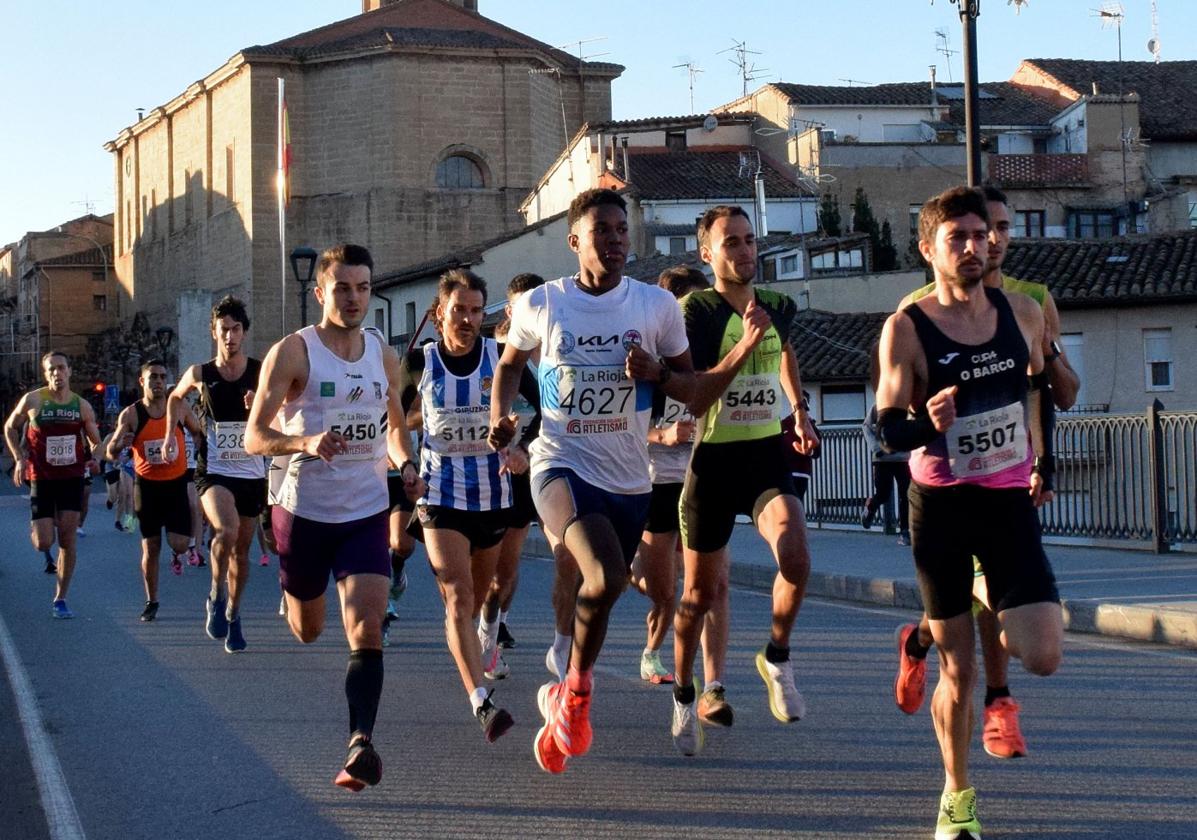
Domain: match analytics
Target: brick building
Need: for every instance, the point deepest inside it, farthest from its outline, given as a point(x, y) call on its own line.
point(417, 127)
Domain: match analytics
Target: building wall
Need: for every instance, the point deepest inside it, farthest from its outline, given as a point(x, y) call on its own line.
point(1171, 159)
point(1112, 355)
point(866, 124)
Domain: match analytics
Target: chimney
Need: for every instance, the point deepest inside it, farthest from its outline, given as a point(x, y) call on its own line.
point(934, 98)
point(1095, 90)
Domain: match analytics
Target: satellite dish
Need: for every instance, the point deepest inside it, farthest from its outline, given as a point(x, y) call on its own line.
point(710, 123)
point(1153, 45)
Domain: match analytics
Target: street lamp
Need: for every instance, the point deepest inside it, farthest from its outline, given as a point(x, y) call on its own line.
point(969, 10)
point(165, 336)
point(303, 265)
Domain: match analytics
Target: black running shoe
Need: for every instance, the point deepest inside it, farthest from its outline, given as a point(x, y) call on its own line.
point(495, 721)
point(362, 767)
point(51, 566)
point(150, 612)
point(506, 640)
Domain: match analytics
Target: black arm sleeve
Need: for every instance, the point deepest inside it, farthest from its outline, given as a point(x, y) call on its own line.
point(899, 433)
point(531, 392)
point(1045, 416)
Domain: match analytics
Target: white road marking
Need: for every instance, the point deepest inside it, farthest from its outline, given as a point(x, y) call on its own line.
point(56, 798)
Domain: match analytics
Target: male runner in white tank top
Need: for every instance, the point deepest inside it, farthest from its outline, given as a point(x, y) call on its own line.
point(338, 392)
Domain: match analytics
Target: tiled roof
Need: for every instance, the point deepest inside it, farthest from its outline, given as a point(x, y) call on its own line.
point(423, 23)
point(649, 268)
point(1123, 271)
point(700, 175)
point(1005, 104)
point(835, 346)
point(900, 93)
point(657, 229)
point(1167, 108)
point(649, 123)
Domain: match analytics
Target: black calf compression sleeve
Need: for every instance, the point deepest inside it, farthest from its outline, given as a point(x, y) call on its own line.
point(899, 433)
point(363, 689)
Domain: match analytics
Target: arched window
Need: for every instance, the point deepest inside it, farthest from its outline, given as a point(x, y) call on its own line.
point(459, 172)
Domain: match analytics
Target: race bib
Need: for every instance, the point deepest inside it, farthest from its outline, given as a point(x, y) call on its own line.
point(361, 430)
point(459, 431)
point(751, 400)
point(230, 442)
point(60, 450)
point(153, 452)
point(675, 412)
point(595, 400)
point(987, 443)
point(189, 450)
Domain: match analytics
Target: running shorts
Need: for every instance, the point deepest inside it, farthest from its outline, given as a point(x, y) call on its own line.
point(398, 496)
point(951, 525)
point(728, 479)
point(308, 551)
point(483, 528)
point(662, 508)
point(50, 496)
point(162, 504)
point(626, 512)
point(522, 513)
point(249, 494)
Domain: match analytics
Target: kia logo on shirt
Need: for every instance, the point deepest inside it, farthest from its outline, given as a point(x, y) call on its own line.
point(597, 340)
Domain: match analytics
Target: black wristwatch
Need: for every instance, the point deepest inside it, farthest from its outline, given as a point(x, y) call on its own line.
point(1056, 351)
point(666, 372)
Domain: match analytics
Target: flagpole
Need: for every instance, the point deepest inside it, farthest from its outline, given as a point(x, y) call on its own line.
point(281, 188)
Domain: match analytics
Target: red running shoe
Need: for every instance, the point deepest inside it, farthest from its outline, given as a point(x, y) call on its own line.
point(910, 686)
point(1001, 736)
point(548, 755)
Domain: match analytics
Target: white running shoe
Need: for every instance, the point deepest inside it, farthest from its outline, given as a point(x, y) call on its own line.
point(686, 729)
point(785, 701)
point(493, 666)
point(558, 666)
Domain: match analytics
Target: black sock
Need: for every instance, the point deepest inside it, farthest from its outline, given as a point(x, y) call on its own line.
point(684, 694)
point(992, 693)
point(776, 655)
point(363, 689)
point(398, 561)
point(913, 649)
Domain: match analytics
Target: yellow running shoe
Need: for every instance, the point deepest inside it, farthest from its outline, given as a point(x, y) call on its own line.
point(958, 816)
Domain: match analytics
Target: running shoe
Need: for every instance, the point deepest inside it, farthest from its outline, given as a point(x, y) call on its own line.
point(651, 669)
point(362, 767)
point(51, 566)
point(176, 564)
point(398, 587)
point(572, 729)
point(217, 626)
point(59, 609)
point(192, 560)
point(234, 641)
point(549, 756)
point(495, 721)
point(150, 612)
point(714, 709)
point(199, 558)
point(79, 532)
point(386, 628)
point(958, 816)
point(904, 538)
point(785, 701)
point(910, 686)
point(117, 525)
point(1001, 735)
point(506, 640)
point(130, 522)
point(493, 666)
point(686, 730)
point(866, 518)
point(556, 665)
point(264, 560)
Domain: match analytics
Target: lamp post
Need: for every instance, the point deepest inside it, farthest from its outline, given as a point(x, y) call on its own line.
point(303, 266)
point(165, 337)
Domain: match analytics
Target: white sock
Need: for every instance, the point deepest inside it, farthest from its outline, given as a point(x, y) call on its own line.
point(478, 697)
point(488, 633)
point(712, 685)
point(562, 644)
point(648, 651)
point(502, 616)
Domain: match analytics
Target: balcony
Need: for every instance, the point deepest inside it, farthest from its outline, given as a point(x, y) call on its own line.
point(1023, 171)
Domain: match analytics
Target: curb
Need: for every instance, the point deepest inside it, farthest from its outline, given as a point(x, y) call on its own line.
point(1122, 621)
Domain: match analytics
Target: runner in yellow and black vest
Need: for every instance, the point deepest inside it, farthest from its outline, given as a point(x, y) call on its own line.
point(45, 434)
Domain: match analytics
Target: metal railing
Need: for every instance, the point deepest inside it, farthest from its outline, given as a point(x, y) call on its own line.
point(1119, 477)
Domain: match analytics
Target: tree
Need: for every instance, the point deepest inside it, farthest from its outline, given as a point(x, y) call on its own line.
point(886, 255)
point(829, 215)
point(881, 239)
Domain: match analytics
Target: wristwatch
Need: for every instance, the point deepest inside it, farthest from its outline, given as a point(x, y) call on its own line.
point(1055, 354)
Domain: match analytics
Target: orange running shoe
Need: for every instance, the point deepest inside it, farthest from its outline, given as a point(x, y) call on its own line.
point(1001, 736)
point(544, 746)
point(910, 686)
point(571, 727)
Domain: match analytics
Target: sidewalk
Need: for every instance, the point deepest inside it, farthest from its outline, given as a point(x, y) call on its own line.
point(1112, 592)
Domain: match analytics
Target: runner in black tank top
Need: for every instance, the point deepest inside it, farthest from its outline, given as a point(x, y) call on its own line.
point(231, 483)
point(959, 359)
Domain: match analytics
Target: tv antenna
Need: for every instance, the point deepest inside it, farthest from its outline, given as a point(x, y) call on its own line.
point(692, 70)
point(749, 72)
point(580, 44)
point(88, 205)
point(944, 49)
point(851, 82)
point(1153, 45)
point(1018, 4)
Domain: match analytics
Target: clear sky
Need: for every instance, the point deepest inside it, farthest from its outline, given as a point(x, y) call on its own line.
point(73, 72)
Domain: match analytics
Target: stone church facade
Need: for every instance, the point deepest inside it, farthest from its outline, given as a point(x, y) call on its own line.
point(416, 127)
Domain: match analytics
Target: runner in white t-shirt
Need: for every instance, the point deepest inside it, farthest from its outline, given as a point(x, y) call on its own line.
point(605, 341)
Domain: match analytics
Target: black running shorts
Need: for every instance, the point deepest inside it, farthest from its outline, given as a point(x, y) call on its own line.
point(662, 508)
point(949, 525)
point(398, 495)
point(728, 479)
point(249, 494)
point(162, 504)
point(483, 528)
point(50, 496)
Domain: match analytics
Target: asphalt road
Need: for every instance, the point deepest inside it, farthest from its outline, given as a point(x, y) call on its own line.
point(161, 734)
